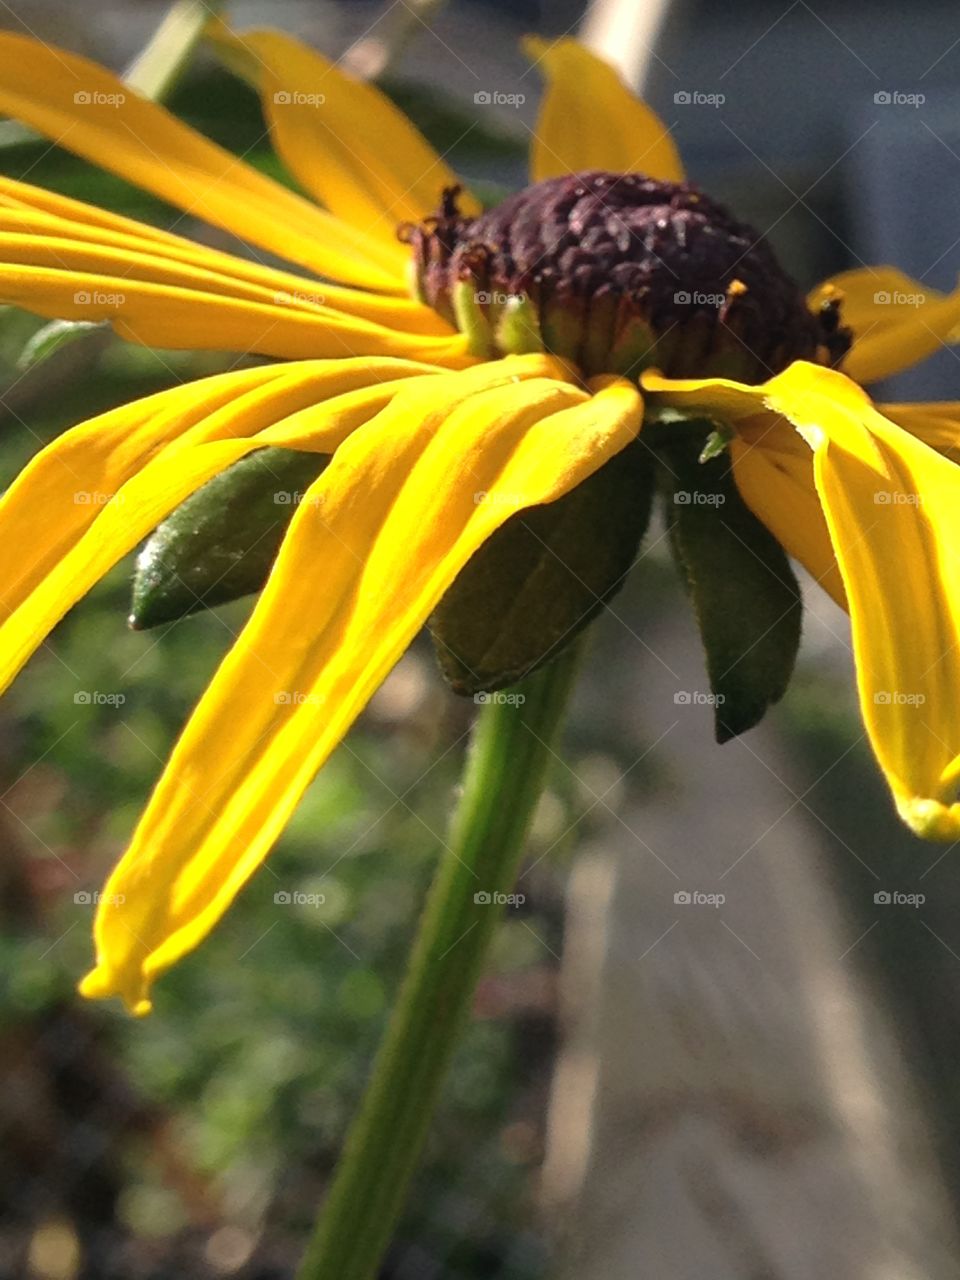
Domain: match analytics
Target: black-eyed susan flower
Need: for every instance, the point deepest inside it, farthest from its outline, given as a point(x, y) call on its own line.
point(487, 385)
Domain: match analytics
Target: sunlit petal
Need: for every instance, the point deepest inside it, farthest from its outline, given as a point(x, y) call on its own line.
point(92, 495)
point(892, 508)
point(589, 119)
point(401, 509)
point(88, 110)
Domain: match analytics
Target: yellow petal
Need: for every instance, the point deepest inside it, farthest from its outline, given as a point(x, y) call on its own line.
point(90, 111)
point(892, 507)
point(401, 509)
point(91, 495)
point(589, 119)
point(44, 237)
point(155, 301)
point(344, 141)
point(896, 321)
point(773, 469)
point(936, 423)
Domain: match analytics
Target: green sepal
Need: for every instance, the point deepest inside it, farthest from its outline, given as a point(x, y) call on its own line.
point(221, 542)
point(52, 337)
point(537, 582)
point(745, 594)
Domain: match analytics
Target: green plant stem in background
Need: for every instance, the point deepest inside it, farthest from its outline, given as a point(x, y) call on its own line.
point(503, 780)
point(157, 68)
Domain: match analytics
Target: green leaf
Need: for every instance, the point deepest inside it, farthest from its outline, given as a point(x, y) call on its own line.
point(745, 594)
point(547, 572)
point(221, 543)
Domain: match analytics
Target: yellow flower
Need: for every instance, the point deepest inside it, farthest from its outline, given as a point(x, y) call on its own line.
point(423, 407)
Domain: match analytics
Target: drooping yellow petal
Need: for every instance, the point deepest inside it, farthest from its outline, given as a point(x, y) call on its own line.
point(149, 256)
point(344, 141)
point(401, 509)
point(896, 321)
point(90, 111)
point(589, 119)
point(892, 507)
point(161, 304)
point(91, 495)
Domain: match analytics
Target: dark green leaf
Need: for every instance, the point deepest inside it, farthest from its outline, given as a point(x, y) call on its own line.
point(745, 594)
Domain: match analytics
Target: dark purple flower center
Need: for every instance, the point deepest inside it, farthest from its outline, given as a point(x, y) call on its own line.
point(617, 272)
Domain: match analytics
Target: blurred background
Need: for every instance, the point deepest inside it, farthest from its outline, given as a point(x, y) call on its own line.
point(763, 1087)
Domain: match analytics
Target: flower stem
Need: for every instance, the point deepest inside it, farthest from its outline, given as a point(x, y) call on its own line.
point(504, 776)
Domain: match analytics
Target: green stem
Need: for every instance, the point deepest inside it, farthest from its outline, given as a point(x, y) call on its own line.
point(502, 783)
point(157, 68)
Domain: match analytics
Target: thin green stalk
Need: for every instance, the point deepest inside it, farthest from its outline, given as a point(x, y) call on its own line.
point(157, 68)
point(502, 783)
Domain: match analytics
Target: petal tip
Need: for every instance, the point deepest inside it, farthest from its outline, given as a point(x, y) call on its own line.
point(930, 819)
point(100, 984)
